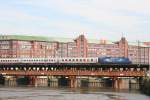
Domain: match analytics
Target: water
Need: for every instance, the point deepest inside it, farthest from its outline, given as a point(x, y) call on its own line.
point(33, 93)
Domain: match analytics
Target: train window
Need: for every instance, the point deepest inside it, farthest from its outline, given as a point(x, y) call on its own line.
point(65, 59)
point(80, 59)
point(72, 59)
point(62, 59)
point(91, 59)
point(76, 59)
point(69, 59)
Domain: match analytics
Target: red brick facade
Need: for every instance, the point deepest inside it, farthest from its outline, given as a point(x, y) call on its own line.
point(79, 47)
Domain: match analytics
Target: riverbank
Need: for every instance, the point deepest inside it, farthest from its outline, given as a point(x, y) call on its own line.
point(145, 87)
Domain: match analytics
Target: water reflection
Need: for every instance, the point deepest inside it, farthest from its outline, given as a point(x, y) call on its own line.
point(31, 93)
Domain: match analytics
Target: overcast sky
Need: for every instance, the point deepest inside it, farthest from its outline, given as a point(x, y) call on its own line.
point(97, 19)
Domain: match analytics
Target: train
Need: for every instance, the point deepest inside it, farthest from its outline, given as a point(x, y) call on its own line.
point(112, 60)
point(100, 60)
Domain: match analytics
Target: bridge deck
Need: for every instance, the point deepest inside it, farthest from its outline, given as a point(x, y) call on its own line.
point(128, 70)
point(75, 73)
point(76, 65)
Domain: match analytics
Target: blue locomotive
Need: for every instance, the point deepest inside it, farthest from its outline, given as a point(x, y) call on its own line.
point(113, 60)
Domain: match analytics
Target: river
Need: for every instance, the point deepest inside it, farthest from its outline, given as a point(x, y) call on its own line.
point(41, 93)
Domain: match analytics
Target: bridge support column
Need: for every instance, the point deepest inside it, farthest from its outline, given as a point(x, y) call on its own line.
point(41, 81)
point(121, 83)
point(93, 82)
point(52, 81)
point(32, 80)
point(10, 81)
point(134, 83)
point(73, 82)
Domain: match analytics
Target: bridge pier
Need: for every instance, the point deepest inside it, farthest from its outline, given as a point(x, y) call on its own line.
point(125, 83)
point(134, 83)
point(10, 81)
point(37, 80)
point(32, 80)
point(95, 82)
point(120, 83)
point(52, 81)
point(74, 82)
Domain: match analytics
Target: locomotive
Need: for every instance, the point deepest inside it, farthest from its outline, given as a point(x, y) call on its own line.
point(99, 60)
point(112, 60)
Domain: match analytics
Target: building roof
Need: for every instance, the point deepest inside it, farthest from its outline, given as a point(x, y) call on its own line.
point(22, 37)
point(59, 39)
point(34, 38)
point(42, 38)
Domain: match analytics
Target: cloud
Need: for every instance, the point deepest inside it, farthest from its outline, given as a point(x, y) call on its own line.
point(97, 18)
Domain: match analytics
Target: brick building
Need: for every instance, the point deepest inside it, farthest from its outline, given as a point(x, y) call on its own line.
point(14, 46)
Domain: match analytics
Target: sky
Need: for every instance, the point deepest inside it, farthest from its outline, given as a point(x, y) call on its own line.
point(96, 19)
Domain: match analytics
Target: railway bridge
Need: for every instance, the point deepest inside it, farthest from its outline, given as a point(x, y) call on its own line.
point(120, 76)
